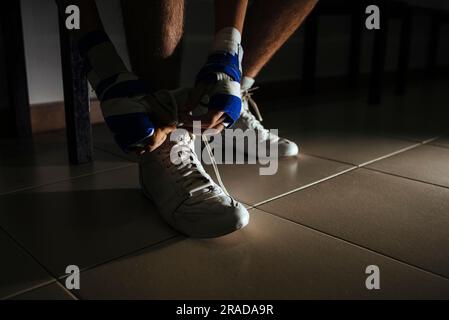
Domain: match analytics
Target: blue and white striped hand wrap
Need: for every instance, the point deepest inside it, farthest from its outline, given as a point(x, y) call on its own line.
point(224, 69)
point(117, 89)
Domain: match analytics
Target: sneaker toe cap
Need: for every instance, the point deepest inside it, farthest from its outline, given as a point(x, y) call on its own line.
point(211, 219)
point(287, 148)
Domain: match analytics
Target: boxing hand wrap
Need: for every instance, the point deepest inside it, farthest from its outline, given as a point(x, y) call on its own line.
point(118, 91)
point(223, 69)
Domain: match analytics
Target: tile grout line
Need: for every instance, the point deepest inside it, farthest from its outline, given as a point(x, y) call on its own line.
point(107, 261)
point(119, 156)
point(398, 152)
point(356, 245)
point(124, 255)
point(364, 164)
point(355, 166)
point(38, 286)
point(58, 279)
point(67, 179)
point(304, 187)
point(406, 178)
point(28, 253)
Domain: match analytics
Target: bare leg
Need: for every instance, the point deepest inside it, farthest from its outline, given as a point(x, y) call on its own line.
point(268, 26)
point(230, 13)
point(154, 30)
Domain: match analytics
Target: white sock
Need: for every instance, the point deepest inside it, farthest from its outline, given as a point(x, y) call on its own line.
point(228, 40)
point(247, 83)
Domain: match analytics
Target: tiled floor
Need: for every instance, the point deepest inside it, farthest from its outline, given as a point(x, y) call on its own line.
point(371, 187)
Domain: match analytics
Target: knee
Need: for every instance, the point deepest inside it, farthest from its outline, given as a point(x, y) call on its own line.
point(169, 42)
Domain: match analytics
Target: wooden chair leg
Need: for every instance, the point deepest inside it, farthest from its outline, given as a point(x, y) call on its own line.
point(76, 99)
point(15, 120)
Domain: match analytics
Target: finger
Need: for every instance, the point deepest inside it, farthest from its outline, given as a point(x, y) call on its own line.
point(157, 144)
point(196, 95)
point(157, 139)
point(215, 130)
point(169, 129)
point(217, 122)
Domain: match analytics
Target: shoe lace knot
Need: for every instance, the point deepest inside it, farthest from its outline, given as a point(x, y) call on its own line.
point(181, 161)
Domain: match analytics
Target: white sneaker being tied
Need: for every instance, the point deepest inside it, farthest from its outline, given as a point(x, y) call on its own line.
point(248, 121)
point(186, 196)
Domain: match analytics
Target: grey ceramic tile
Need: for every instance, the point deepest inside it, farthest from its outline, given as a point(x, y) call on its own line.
point(442, 142)
point(52, 291)
point(18, 271)
point(84, 221)
point(354, 148)
point(271, 259)
point(26, 163)
point(425, 163)
point(398, 217)
point(247, 184)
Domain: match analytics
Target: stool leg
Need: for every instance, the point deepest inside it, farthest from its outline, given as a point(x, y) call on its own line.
point(76, 98)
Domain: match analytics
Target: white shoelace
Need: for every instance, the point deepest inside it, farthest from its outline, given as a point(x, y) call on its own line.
point(188, 169)
point(251, 120)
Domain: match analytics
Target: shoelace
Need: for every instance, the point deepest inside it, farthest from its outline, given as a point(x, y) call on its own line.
point(214, 165)
point(188, 168)
point(248, 95)
point(253, 121)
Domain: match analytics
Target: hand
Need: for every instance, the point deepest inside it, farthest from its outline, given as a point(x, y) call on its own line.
point(212, 121)
point(157, 139)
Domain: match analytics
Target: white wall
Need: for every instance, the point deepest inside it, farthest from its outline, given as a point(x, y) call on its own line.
point(43, 60)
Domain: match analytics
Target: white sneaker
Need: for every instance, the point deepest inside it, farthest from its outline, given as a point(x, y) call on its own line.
point(186, 196)
point(248, 121)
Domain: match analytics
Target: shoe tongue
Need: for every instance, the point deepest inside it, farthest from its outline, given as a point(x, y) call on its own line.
point(247, 83)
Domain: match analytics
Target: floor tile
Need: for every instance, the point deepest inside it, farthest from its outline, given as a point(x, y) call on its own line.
point(18, 271)
point(354, 148)
point(349, 132)
point(398, 217)
point(425, 163)
point(392, 120)
point(247, 184)
point(442, 142)
point(271, 259)
point(83, 221)
point(27, 163)
point(52, 291)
